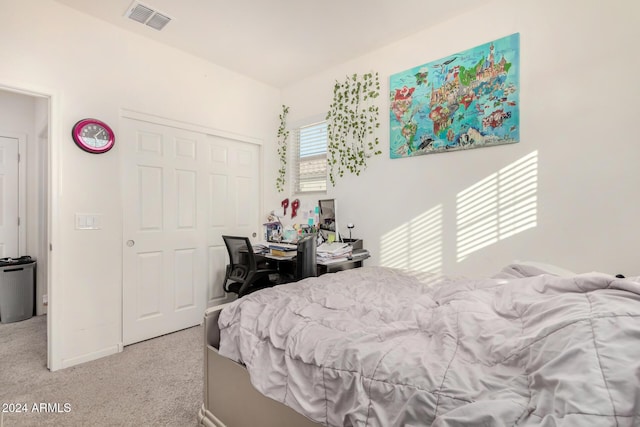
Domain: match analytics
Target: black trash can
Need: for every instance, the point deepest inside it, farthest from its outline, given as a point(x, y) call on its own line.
point(17, 288)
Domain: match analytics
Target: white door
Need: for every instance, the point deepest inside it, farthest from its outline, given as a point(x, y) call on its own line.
point(183, 190)
point(9, 198)
point(233, 203)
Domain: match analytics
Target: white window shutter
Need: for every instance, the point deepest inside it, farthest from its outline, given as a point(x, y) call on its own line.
point(310, 158)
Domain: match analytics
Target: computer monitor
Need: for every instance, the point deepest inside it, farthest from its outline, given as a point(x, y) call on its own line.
point(327, 224)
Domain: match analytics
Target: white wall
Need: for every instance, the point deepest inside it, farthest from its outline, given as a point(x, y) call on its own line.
point(578, 100)
point(93, 69)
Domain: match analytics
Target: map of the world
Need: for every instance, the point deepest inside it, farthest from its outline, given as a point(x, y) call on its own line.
point(466, 100)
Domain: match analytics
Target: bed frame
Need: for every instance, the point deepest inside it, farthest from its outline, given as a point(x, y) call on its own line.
point(229, 398)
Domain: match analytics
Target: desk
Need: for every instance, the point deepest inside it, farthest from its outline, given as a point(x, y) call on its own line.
point(355, 262)
point(287, 265)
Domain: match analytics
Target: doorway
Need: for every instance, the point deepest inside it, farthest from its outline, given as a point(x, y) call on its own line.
point(24, 139)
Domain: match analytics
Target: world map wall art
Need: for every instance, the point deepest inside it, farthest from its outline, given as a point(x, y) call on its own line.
point(466, 100)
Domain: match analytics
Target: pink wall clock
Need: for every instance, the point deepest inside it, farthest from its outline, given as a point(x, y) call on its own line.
point(93, 136)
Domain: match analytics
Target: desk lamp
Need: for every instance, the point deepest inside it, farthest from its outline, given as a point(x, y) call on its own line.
point(350, 226)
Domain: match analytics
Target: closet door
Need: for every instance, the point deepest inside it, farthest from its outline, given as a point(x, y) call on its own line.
point(233, 203)
point(181, 192)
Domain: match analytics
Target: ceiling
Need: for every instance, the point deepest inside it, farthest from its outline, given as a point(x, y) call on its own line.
point(280, 41)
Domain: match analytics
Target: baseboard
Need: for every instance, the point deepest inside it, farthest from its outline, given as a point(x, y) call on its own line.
point(108, 351)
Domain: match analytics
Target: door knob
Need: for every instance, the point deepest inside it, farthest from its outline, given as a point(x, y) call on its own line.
point(130, 243)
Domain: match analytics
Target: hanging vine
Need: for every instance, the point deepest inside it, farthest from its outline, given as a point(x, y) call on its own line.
point(351, 124)
point(283, 136)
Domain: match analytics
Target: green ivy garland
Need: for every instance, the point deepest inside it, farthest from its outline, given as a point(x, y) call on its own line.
point(283, 136)
point(351, 123)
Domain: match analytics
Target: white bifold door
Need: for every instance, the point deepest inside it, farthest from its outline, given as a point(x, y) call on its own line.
point(9, 198)
point(182, 191)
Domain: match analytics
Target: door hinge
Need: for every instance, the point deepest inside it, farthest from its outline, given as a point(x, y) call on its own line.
point(18, 221)
point(18, 157)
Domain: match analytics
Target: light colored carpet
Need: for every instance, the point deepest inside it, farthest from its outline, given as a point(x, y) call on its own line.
point(153, 383)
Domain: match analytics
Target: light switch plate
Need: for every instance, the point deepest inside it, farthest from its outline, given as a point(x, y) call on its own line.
point(88, 221)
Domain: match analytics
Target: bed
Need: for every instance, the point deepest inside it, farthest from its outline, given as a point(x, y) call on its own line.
point(377, 346)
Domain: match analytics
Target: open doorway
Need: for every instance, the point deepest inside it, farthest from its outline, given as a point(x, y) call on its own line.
point(25, 131)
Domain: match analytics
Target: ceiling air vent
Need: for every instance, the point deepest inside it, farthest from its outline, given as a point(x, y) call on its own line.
point(158, 21)
point(146, 15)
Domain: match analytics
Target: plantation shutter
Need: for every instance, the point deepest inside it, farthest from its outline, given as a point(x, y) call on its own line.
point(310, 158)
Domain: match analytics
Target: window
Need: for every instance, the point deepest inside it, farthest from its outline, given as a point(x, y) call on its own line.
point(310, 158)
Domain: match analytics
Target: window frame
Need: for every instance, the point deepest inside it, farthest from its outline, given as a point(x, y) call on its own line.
point(296, 160)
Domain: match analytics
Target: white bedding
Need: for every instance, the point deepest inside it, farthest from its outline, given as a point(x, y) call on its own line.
point(382, 347)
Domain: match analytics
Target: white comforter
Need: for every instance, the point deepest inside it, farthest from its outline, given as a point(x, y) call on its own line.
point(381, 347)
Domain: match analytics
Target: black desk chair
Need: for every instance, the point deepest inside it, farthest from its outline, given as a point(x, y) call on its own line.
point(244, 274)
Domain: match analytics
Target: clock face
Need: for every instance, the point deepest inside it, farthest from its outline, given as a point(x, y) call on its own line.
point(93, 136)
